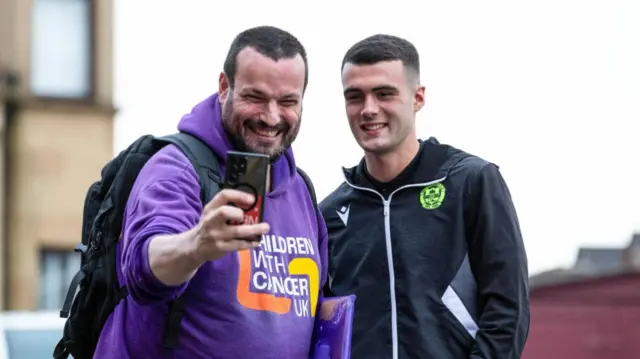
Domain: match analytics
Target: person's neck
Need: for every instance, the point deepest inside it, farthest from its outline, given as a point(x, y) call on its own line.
point(385, 167)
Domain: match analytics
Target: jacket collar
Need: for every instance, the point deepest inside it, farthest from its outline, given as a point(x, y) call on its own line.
point(433, 164)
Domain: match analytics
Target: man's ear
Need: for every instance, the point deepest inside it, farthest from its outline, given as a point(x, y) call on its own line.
point(224, 88)
point(418, 98)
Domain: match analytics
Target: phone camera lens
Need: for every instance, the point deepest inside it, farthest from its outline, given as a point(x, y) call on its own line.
point(237, 170)
point(242, 165)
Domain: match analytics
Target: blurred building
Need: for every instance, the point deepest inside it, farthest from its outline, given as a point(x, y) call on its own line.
point(56, 125)
point(589, 311)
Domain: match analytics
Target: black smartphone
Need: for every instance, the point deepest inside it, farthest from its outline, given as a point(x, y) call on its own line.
point(248, 172)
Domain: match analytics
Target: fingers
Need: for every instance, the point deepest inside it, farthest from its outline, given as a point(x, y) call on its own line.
point(235, 245)
point(217, 236)
point(247, 231)
point(227, 196)
point(216, 223)
point(225, 214)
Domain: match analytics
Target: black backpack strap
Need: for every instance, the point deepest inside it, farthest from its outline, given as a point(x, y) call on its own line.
point(309, 184)
point(312, 192)
point(207, 167)
point(203, 160)
point(174, 323)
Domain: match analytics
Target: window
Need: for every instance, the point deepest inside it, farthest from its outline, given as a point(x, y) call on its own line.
point(29, 335)
point(57, 269)
point(32, 344)
point(62, 48)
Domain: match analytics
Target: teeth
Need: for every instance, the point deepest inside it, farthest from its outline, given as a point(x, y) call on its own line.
point(266, 132)
point(373, 127)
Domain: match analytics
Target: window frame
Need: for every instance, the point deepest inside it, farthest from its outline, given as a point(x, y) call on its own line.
point(65, 254)
point(90, 97)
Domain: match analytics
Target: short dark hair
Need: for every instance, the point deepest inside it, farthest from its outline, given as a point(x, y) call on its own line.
point(269, 41)
point(383, 47)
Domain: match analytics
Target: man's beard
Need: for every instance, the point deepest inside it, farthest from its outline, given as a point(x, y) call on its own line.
point(235, 126)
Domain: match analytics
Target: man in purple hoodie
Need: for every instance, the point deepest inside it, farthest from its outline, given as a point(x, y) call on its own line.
point(243, 299)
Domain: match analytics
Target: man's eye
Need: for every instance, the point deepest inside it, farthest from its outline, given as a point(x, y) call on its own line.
point(253, 98)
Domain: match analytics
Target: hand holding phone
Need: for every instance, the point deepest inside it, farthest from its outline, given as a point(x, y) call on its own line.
point(215, 236)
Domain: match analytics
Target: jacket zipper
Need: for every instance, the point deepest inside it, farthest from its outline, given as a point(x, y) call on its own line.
point(387, 236)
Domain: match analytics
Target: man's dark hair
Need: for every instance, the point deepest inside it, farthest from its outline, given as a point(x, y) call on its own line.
point(382, 47)
point(269, 41)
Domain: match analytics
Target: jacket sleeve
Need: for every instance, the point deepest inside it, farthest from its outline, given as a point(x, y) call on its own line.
point(499, 263)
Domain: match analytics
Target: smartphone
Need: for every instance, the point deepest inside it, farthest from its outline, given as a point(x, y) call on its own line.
point(248, 172)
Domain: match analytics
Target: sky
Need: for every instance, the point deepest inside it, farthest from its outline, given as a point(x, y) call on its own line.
point(548, 90)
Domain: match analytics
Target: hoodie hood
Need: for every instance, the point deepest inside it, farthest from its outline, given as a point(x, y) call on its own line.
point(205, 122)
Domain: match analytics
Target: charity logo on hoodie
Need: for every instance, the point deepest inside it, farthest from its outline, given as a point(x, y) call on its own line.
point(280, 276)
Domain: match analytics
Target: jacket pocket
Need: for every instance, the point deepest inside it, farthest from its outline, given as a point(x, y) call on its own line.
point(452, 317)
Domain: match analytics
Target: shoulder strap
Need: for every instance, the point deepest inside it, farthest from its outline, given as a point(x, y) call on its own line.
point(312, 192)
point(309, 184)
point(204, 161)
point(207, 167)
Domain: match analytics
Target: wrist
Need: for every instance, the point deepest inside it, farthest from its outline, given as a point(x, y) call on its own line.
point(191, 247)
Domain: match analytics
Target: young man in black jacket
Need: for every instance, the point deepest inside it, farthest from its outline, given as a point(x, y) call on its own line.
point(424, 234)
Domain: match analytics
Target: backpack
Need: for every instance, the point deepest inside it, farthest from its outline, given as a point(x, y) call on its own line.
point(99, 291)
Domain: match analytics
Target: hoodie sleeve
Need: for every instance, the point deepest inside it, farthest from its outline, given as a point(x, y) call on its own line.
point(164, 200)
point(499, 263)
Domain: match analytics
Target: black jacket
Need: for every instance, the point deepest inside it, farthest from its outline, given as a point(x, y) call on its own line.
point(438, 265)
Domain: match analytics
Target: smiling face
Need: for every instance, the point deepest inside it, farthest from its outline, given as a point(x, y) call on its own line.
point(262, 111)
point(381, 101)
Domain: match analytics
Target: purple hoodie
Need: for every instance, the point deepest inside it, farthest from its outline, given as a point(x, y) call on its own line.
point(258, 303)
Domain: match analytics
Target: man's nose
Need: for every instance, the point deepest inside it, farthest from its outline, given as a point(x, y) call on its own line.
point(272, 114)
point(370, 108)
